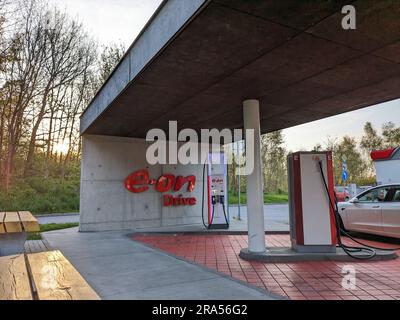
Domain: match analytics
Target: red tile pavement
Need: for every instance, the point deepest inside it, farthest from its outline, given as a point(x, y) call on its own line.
point(300, 280)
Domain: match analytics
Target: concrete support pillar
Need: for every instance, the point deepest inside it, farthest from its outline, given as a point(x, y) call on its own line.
point(255, 195)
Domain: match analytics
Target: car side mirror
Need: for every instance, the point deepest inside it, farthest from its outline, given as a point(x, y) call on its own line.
point(354, 200)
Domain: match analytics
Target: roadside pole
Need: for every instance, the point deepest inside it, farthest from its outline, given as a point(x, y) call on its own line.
point(345, 173)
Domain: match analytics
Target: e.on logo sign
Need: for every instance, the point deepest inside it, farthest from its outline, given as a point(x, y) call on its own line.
point(140, 181)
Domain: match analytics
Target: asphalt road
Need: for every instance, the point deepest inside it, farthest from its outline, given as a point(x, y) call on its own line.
point(58, 218)
point(278, 213)
point(276, 217)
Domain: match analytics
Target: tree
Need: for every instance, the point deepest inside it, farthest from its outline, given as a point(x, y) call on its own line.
point(370, 140)
point(69, 54)
point(356, 167)
point(48, 73)
point(22, 76)
point(391, 135)
point(317, 147)
point(274, 158)
point(109, 58)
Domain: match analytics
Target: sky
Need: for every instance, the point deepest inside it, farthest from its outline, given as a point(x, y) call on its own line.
point(111, 21)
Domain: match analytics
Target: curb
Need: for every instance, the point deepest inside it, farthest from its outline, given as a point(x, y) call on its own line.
point(232, 233)
point(47, 215)
point(288, 255)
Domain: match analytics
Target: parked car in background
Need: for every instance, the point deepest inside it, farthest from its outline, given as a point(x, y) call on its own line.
point(342, 193)
point(375, 211)
point(363, 188)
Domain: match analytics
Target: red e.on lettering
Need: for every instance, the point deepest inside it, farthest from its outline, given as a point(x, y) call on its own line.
point(165, 183)
point(138, 181)
point(180, 181)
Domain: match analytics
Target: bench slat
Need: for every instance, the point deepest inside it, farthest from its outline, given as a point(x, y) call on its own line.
point(12, 222)
point(29, 222)
point(14, 279)
point(2, 229)
point(56, 279)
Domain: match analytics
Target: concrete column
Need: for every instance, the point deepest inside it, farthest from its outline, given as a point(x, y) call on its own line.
point(255, 195)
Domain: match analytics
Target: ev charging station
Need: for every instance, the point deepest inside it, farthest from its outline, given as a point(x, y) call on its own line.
point(112, 128)
point(217, 195)
point(312, 220)
point(313, 215)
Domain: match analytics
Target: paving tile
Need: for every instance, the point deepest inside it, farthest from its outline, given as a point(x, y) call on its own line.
point(301, 280)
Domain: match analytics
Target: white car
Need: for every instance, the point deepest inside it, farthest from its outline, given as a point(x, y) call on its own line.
point(376, 211)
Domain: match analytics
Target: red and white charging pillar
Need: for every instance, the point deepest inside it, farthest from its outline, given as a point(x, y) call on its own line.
point(312, 218)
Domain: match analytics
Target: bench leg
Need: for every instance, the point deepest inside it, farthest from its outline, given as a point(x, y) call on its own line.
point(12, 243)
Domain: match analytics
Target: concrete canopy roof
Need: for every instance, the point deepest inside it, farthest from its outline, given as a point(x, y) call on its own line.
point(196, 61)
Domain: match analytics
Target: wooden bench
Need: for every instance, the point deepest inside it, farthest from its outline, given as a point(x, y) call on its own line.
point(21, 221)
point(13, 231)
point(42, 276)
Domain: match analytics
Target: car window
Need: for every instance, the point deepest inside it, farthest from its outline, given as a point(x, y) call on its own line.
point(375, 195)
point(396, 195)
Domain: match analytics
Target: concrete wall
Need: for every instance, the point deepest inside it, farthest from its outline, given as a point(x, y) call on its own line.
point(107, 205)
